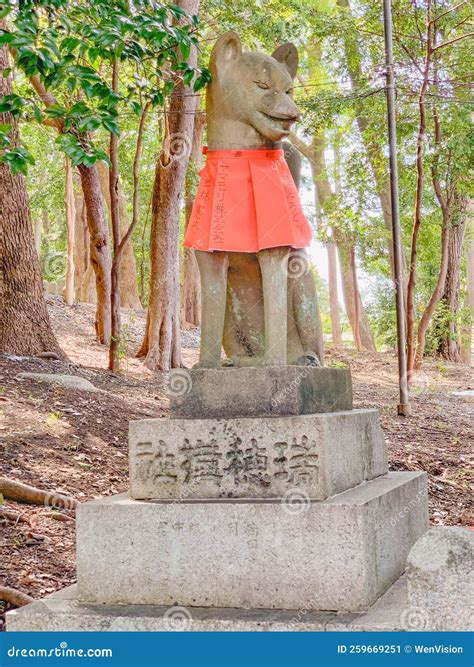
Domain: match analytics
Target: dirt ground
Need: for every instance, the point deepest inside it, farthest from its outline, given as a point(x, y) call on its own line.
point(75, 443)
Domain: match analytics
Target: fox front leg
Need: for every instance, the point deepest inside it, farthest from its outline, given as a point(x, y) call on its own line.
point(213, 268)
point(273, 265)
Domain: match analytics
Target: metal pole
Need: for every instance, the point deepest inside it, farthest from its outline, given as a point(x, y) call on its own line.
point(404, 405)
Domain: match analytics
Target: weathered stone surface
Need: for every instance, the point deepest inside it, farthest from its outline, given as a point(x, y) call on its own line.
point(264, 457)
point(440, 574)
point(69, 381)
point(259, 392)
point(339, 554)
point(62, 611)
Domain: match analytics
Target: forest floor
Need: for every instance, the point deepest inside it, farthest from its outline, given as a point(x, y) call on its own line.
point(73, 442)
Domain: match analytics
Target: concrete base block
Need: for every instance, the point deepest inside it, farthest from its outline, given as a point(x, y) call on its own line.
point(440, 575)
point(62, 611)
point(259, 392)
point(339, 554)
point(259, 457)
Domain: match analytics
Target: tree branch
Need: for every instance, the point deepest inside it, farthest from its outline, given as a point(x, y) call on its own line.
point(453, 41)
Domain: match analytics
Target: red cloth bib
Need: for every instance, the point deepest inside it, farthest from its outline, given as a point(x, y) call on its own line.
point(246, 201)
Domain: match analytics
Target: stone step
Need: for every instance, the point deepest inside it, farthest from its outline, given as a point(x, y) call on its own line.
point(259, 391)
point(339, 554)
point(63, 612)
point(316, 455)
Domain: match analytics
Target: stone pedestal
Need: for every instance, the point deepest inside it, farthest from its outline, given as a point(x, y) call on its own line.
point(259, 392)
point(338, 554)
point(264, 492)
point(261, 457)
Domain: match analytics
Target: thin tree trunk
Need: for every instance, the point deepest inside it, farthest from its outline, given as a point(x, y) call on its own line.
point(191, 289)
point(129, 295)
point(81, 243)
point(467, 346)
point(336, 333)
point(70, 207)
point(161, 345)
point(436, 295)
point(120, 245)
point(115, 221)
point(99, 248)
point(24, 321)
point(370, 138)
point(361, 332)
point(100, 255)
point(411, 313)
point(360, 326)
point(450, 345)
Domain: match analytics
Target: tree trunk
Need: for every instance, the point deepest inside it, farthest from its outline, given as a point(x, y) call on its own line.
point(450, 345)
point(99, 248)
point(191, 290)
point(70, 207)
point(24, 321)
point(345, 245)
point(81, 243)
point(370, 140)
point(361, 332)
point(161, 345)
point(38, 234)
point(129, 296)
point(435, 297)
point(467, 341)
point(417, 217)
point(336, 333)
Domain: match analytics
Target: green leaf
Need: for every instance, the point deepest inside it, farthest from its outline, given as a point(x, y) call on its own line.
point(110, 125)
point(185, 49)
point(56, 111)
point(136, 108)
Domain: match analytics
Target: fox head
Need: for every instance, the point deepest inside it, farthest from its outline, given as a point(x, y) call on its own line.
point(249, 101)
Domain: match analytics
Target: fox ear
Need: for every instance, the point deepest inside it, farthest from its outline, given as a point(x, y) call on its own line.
point(227, 48)
point(288, 56)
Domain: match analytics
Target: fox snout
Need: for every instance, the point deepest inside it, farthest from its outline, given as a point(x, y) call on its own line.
point(284, 110)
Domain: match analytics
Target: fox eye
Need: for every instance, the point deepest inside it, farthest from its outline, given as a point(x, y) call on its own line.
point(289, 91)
point(262, 85)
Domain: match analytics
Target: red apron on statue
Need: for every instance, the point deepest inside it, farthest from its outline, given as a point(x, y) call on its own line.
point(246, 201)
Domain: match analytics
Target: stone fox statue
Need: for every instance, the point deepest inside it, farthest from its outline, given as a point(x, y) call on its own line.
point(247, 227)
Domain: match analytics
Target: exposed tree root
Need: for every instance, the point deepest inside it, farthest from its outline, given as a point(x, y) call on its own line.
point(13, 516)
point(14, 598)
point(29, 494)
